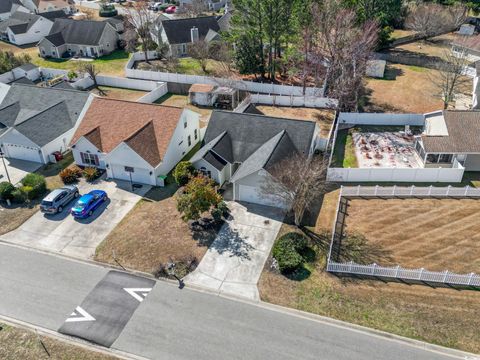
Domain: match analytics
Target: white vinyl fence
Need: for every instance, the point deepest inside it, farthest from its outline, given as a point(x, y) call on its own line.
point(155, 94)
point(291, 100)
point(448, 175)
point(396, 272)
point(253, 87)
point(381, 119)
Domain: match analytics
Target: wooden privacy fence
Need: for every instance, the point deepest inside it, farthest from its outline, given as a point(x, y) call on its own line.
point(395, 272)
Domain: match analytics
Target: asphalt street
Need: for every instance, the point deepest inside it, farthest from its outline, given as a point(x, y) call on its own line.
point(170, 323)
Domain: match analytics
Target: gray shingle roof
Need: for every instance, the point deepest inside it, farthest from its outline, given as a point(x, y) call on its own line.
point(216, 161)
point(256, 141)
point(28, 67)
point(41, 114)
point(19, 22)
point(178, 30)
point(6, 5)
point(52, 15)
point(463, 134)
point(83, 32)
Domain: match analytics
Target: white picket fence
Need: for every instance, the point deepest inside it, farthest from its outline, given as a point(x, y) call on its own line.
point(291, 100)
point(155, 94)
point(397, 272)
point(253, 87)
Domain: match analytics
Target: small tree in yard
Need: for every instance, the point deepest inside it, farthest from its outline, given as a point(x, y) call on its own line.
point(450, 78)
point(182, 172)
point(296, 181)
point(139, 20)
point(92, 74)
point(199, 196)
point(200, 51)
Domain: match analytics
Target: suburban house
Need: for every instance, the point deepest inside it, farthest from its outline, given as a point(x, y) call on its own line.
point(135, 141)
point(117, 22)
point(469, 45)
point(26, 73)
point(178, 33)
point(239, 149)
point(8, 7)
point(84, 38)
point(434, 147)
point(27, 28)
point(36, 121)
point(41, 6)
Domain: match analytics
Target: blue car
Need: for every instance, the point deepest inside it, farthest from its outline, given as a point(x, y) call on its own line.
point(86, 205)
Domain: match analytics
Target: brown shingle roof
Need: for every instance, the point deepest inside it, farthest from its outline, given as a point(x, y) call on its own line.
point(463, 134)
point(146, 128)
point(201, 88)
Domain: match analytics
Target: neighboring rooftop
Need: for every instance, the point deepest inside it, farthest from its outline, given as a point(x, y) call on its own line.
point(19, 22)
point(146, 128)
point(6, 5)
point(178, 30)
point(84, 32)
point(41, 114)
point(463, 134)
point(201, 88)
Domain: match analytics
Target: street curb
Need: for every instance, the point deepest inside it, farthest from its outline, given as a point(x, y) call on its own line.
point(458, 354)
point(69, 339)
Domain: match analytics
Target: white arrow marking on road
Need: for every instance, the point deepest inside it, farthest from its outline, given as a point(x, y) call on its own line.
point(80, 315)
point(138, 293)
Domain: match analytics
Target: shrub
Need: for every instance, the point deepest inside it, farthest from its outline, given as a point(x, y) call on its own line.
point(19, 196)
point(70, 175)
point(222, 206)
point(286, 251)
point(6, 190)
point(28, 191)
point(182, 172)
point(37, 184)
point(216, 214)
point(90, 173)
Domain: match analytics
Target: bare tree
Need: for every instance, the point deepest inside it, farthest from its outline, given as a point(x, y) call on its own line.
point(200, 51)
point(140, 20)
point(430, 19)
point(195, 9)
point(450, 77)
point(92, 74)
point(296, 181)
point(342, 48)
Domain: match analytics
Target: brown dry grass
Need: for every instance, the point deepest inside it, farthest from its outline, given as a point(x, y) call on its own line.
point(436, 46)
point(431, 233)
point(120, 93)
point(442, 316)
point(11, 217)
point(181, 101)
point(20, 344)
point(323, 117)
point(406, 89)
point(152, 234)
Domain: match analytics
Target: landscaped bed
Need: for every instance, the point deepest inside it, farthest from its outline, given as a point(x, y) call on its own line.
point(435, 234)
point(181, 101)
point(442, 316)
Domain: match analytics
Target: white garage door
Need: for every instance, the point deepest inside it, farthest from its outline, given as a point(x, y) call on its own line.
point(23, 152)
point(252, 195)
point(139, 175)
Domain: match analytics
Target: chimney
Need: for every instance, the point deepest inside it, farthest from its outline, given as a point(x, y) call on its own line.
point(194, 34)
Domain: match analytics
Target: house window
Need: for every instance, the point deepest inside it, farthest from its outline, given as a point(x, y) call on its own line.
point(89, 159)
point(195, 134)
point(185, 124)
point(189, 139)
point(445, 158)
point(432, 158)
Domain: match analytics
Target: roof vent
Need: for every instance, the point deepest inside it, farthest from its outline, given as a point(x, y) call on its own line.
point(194, 34)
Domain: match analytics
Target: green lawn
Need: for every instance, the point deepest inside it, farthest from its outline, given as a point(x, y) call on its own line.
point(192, 67)
point(112, 64)
point(344, 152)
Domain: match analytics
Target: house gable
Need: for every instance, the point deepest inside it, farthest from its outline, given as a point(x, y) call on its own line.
point(126, 156)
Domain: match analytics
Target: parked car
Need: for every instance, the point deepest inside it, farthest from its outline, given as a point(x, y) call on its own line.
point(86, 205)
point(171, 9)
point(54, 202)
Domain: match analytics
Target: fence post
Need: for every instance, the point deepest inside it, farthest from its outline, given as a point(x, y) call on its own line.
point(373, 268)
point(358, 190)
point(470, 278)
point(411, 190)
point(445, 276)
point(393, 190)
point(421, 273)
point(448, 190)
point(430, 190)
point(376, 190)
point(350, 266)
point(396, 270)
point(466, 190)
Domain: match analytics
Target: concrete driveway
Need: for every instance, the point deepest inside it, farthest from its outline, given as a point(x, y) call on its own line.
point(78, 237)
point(17, 169)
point(235, 260)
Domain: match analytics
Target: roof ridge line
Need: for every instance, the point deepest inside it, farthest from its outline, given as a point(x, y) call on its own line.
point(40, 112)
point(283, 133)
